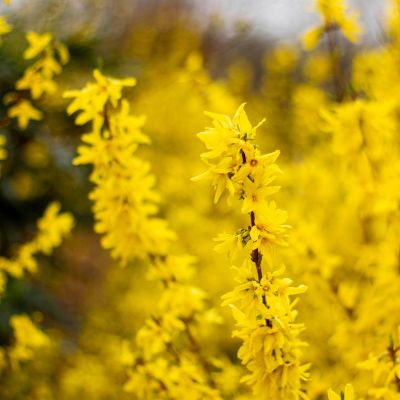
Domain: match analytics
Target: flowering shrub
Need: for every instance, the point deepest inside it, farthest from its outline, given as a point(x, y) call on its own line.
point(122, 296)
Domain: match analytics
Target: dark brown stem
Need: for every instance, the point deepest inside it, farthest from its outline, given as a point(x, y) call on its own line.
point(106, 116)
point(392, 353)
point(243, 156)
point(256, 257)
point(335, 64)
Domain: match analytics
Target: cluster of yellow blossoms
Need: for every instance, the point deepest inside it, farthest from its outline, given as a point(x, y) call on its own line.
point(385, 370)
point(3, 151)
point(52, 228)
point(341, 147)
point(122, 182)
point(333, 15)
point(5, 28)
point(359, 141)
point(28, 339)
point(261, 303)
point(54, 225)
point(38, 78)
point(169, 362)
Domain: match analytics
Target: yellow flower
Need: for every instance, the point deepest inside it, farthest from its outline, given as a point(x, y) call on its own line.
point(260, 303)
point(53, 227)
point(255, 195)
point(62, 52)
point(5, 27)
point(347, 395)
point(24, 112)
point(36, 82)
point(358, 124)
point(312, 37)
point(220, 177)
point(334, 16)
point(270, 228)
point(37, 43)
point(229, 142)
point(218, 139)
point(28, 339)
point(92, 99)
point(3, 151)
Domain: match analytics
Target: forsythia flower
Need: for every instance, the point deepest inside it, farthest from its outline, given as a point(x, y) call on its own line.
point(356, 125)
point(38, 78)
point(28, 339)
point(5, 27)
point(261, 303)
point(24, 112)
point(125, 205)
point(52, 228)
point(37, 44)
point(91, 101)
point(348, 394)
point(3, 151)
point(122, 180)
point(385, 369)
point(333, 17)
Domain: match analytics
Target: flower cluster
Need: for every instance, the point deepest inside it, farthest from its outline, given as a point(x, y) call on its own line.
point(333, 15)
point(168, 362)
point(5, 27)
point(122, 181)
point(334, 113)
point(3, 151)
point(28, 339)
point(38, 78)
point(385, 370)
point(261, 303)
point(52, 227)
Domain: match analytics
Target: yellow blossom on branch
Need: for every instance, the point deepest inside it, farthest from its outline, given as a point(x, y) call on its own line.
point(334, 17)
point(38, 78)
point(52, 228)
point(261, 302)
point(5, 27)
point(28, 339)
point(24, 112)
point(3, 151)
point(125, 207)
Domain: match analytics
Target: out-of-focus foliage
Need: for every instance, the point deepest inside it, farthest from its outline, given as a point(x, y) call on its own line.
point(129, 305)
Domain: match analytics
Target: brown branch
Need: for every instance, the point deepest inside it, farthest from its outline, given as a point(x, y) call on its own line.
point(392, 353)
point(256, 257)
point(335, 63)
